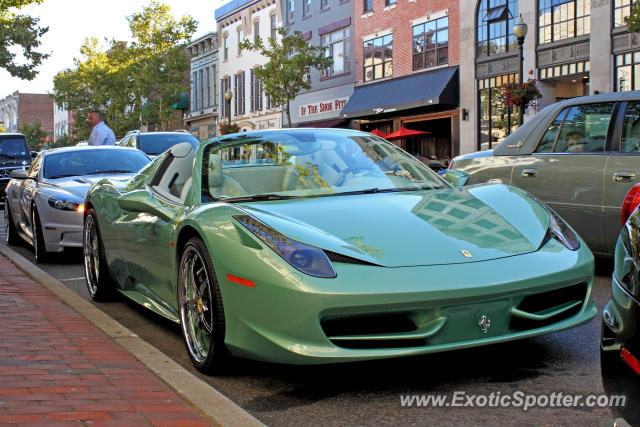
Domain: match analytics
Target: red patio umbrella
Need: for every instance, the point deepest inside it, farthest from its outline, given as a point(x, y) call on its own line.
point(380, 133)
point(404, 132)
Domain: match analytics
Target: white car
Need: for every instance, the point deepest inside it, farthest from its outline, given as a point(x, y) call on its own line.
point(45, 204)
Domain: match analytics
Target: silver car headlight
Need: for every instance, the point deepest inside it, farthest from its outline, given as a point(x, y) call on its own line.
point(559, 230)
point(308, 259)
point(65, 205)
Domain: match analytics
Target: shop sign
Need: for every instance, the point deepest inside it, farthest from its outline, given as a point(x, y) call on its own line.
point(329, 106)
point(266, 124)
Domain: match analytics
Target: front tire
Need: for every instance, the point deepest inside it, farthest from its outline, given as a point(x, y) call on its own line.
point(38, 238)
point(10, 232)
point(96, 271)
point(201, 310)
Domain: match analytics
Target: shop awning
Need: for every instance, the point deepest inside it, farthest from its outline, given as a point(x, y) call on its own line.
point(417, 90)
point(322, 124)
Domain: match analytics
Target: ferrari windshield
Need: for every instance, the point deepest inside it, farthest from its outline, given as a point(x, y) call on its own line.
point(308, 163)
point(92, 162)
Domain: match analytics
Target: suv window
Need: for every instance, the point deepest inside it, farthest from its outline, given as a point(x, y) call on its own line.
point(14, 147)
point(631, 129)
point(549, 138)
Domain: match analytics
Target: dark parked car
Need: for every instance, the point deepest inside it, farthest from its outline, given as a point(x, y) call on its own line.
point(155, 143)
point(580, 156)
point(14, 154)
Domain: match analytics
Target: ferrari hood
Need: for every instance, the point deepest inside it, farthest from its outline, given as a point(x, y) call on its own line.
point(413, 228)
point(79, 185)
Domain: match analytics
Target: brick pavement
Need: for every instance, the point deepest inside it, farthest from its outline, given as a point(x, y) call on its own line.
point(58, 369)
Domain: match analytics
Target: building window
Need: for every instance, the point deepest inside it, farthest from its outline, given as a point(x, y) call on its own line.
point(324, 4)
point(274, 26)
point(306, 8)
point(256, 31)
point(336, 45)
point(241, 92)
point(497, 120)
point(389, 2)
point(194, 88)
point(622, 9)
point(561, 19)
point(431, 44)
point(581, 67)
point(291, 6)
point(208, 79)
point(226, 47)
point(201, 100)
point(495, 22)
point(240, 39)
point(378, 58)
point(367, 5)
point(627, 72)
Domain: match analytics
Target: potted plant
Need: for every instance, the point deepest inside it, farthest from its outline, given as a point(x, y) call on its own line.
point(226, 128)
point(520, 94)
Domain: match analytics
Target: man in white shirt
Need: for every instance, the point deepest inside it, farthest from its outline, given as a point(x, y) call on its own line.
point(101, 134)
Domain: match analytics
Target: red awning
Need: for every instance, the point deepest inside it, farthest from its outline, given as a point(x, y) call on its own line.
point(380, 133)
point(404, 133)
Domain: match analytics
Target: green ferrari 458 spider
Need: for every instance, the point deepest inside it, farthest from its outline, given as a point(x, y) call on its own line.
point(327, 245)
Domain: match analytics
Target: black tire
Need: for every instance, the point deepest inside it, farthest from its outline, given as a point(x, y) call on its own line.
point(201, 309)
point(38, 238)
point(96, 271)
point(612, 365)
point(11, 234)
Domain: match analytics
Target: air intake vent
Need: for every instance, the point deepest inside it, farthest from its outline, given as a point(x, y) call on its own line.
point(546, 308)
point(335, 257)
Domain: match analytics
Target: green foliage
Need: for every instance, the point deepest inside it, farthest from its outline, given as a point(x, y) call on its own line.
point(152, 71)
point(23, 32)
point(229, 128)
point(62, 141)
point(633, 20)
point(36, 136)
point(289, 61)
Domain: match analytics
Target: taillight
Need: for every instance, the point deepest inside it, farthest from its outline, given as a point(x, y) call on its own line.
point(630, 202)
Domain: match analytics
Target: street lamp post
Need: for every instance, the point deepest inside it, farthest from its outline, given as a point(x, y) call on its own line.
point(520, 31)
point(228, 95)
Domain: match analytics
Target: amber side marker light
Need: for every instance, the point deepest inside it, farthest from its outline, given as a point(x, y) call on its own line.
point(240, 281)
point(630, 360)
point(80, 208)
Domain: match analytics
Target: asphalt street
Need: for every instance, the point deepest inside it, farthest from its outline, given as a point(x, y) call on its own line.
point(370, 393)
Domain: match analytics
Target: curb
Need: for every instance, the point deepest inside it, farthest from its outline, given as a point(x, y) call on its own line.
point(213, 405)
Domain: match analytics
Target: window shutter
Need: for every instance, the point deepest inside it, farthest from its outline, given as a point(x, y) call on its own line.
point(235, 94)
point(222, 100)
point(268, 101)
point(242, 98)
point(260, 94)
point(251, 92)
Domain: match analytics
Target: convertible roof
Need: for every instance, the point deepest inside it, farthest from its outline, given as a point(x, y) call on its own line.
point(525, 138)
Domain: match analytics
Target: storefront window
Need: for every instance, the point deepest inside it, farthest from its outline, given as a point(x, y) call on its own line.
point(336, 45)
point(431, 44)
point(622, 9)
point(378, 58)
point(497, 120)
point(562, 19)
point(627, 72)
point(581, 67)
point(496, 19)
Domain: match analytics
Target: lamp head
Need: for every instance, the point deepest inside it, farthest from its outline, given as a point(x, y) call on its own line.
point(228, 95)
point(520, 29)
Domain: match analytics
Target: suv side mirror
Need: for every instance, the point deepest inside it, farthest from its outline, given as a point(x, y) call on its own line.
point(19, 174)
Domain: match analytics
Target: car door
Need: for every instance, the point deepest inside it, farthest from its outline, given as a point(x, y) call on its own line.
point(567, 168)
point(623, 169)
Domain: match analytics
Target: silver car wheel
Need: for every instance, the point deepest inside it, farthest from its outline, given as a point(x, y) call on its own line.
point(196, 304)
point(91, 255)
point(7, 228)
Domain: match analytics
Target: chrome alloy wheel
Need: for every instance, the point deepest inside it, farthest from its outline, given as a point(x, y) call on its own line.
point(91, 255)
point(196, 304)
point(7, 229)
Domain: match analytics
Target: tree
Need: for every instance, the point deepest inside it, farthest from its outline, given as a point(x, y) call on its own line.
point(290, 60)
point(35, 135)
point(131, 84)
point(633, 20)
point(20, 31)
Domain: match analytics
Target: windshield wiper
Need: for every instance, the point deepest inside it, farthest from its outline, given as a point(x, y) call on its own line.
point(62, 176)
point(108, 171)
point(366, 191)
point(256, 198)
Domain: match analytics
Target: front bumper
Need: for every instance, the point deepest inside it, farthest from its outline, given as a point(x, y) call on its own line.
point(621, 322)
point(370, 312)
point(61, 229)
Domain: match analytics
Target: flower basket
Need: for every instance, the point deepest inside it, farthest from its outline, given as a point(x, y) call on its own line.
point(520, 94)
point(229, 128)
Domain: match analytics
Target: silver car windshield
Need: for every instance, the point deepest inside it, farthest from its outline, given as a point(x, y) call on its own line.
point(92, 162)
point(309, 163)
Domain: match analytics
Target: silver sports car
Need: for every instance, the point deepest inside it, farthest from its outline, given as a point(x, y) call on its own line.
point(45, 204)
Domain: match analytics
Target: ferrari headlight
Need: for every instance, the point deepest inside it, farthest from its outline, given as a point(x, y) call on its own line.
point(65, 205)
point(308, 259)
point(560, 231)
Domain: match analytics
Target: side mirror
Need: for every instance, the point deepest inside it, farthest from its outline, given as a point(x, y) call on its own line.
point(456, 178)
point(143, 201)
point(19, 174)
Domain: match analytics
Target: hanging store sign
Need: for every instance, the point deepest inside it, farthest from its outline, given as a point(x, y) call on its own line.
point(329, 106)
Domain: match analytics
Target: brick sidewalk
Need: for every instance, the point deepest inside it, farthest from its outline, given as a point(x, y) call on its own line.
point(58, 369)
